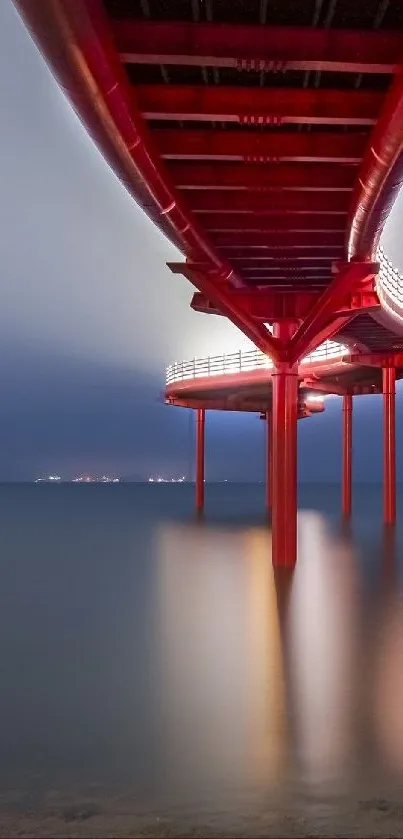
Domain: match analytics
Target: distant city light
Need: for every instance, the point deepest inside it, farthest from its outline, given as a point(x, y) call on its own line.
point(160, 480)
point(80, 479)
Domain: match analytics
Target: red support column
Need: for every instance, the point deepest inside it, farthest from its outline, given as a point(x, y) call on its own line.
point(347, 453)
point(389, 444)
point(201, 416)
point(284, 500)
point(269, 460)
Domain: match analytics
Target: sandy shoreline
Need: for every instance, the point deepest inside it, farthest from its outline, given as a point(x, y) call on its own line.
point(119, 815)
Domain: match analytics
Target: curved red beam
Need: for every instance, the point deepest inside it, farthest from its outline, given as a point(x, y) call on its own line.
point(75, 39)
point(380, 178)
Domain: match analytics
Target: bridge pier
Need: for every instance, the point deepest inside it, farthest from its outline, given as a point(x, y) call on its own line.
point(200, 458)
point(389, 444)
point(269, 460)
point(284, 499)
point(347, 452)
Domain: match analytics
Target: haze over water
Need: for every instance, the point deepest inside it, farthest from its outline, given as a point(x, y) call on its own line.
point(151, 658)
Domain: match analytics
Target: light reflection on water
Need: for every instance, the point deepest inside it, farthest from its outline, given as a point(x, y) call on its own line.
point(169, 652)
point(271, 677)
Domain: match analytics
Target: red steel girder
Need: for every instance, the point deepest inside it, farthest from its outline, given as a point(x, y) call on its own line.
point(317, 178)
point(320, 322)
point(258, 257)
point(285, 265)
point(223, 404)
point(380, 177)
point(295, 305)
point(285, 271)
point(268, 202)
point(200, 458)
point(392, 359)
point(293, 223)
point(265, 305)
point(284, 284)
point(243, 238)
point(324, 386)
point(221, 296)
point(260, 146)
point(281, 251)
point(77, 40)
point(259, 105)
point(257, 47)
point(347, 454)
point(389, 444)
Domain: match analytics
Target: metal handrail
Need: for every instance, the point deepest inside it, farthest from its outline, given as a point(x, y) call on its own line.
point(242, 361)
point(389, 284)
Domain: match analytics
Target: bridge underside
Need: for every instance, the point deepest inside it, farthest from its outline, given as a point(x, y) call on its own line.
point(266, 140)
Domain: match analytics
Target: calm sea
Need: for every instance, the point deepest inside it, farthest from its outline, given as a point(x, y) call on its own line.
point(144, 650)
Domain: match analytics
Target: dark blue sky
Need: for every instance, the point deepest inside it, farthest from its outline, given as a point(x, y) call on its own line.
point(90, 316)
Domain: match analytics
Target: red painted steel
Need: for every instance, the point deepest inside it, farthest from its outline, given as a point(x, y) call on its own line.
point(289, 222)
point(321, 146)
point(77, 39)
point(380, 178)
point(253, 199)
point(379, 359)
point(389, 444)
point(269, 460)
point(322, 179)
point(200, 459)
point(242, 238)
point(284, 502)
point(284, 443)
point(347, 452)
point(257, 47)
point(80, 41)
point(219, 294)
point(282, 253)
point(259, 105)
point(318, 326)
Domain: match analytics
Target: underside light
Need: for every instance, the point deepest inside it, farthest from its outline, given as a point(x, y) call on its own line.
point(315, 398)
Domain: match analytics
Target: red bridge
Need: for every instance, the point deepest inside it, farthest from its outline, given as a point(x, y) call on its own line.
point(266, 140)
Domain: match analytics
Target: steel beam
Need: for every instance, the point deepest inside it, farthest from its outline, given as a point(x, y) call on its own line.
point(380, 359)
point(389, 444)
point(347, 451)
point(258, 105)
point(261, 146)
point(380, 177)
point(269, 460)
point(265, 305)
point(320, 319)
point(215, 289)
point(284, 500)
point(322, 178)
point(258, 222)
point(281, 252)
point(280, 238)
point(200, 426)
point(267, 48)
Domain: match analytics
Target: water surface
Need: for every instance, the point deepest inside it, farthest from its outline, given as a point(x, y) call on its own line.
point(157, 663)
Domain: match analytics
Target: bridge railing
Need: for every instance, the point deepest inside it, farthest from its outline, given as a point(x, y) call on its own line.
point(389, 284)
point(243, 361)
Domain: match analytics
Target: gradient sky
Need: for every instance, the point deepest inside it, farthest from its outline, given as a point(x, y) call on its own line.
point(90, 315)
